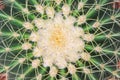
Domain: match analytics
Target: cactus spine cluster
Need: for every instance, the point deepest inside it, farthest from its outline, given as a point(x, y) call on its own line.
point(59, 40)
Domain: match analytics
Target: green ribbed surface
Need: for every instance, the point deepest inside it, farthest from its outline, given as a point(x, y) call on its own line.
point(12, 19)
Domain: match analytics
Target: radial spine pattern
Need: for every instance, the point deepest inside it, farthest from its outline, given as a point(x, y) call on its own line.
point(59, 40)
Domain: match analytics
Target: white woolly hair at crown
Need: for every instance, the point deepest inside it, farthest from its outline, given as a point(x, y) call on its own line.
point(64, 49)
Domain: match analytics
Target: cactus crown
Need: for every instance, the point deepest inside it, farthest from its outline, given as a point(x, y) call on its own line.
point(59, 40)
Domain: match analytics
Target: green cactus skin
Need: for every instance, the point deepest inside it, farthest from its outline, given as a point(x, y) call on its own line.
point(16, 46)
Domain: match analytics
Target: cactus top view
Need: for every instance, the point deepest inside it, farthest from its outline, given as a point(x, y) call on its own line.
point(59, 40)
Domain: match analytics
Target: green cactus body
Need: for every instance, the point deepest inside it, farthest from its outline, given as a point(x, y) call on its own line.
point(59, 40)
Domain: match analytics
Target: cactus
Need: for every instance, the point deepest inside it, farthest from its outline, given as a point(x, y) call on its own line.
point(59, 40)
